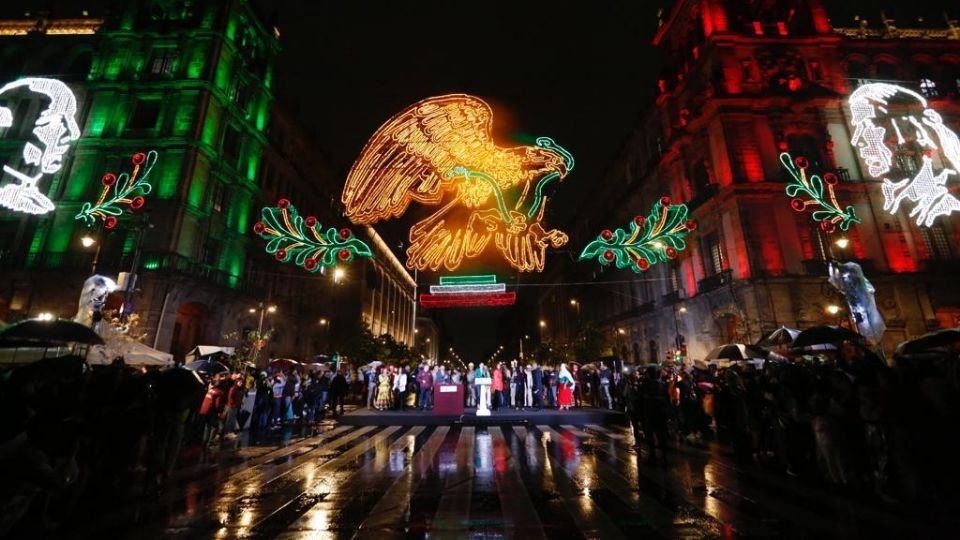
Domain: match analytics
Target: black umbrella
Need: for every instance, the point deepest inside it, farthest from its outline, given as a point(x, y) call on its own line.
point(47, 333)
point(825, 335)
point(208, 366)
point(934, 340)
point(736, 352)
point(781, 337)
point(179, 388)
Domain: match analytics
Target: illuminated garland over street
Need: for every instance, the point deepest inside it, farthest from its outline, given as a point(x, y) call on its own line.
point(808, 191)
point(291, 237)
point(128, 192)
point(440, 152)
point(656, 238)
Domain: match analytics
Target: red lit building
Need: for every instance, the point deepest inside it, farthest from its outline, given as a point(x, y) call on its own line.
point(745, 81)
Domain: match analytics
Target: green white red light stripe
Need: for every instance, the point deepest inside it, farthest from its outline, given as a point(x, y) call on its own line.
point(464, 289)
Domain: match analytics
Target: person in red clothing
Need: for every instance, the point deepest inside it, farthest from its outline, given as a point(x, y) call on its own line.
point(498, 386)
point(210, 410)
point(235, 395)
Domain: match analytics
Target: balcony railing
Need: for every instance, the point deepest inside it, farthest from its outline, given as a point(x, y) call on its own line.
point(715, 281)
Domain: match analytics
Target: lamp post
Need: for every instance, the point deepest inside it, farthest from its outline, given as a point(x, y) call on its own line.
point(88, 240)
point(263, 309)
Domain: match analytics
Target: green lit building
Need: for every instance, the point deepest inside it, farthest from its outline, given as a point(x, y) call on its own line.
point(191, 80)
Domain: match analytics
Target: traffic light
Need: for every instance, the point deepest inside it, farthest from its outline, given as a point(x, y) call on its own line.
point(681, 348)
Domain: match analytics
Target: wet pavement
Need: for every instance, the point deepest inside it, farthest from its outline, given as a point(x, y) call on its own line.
point(533, 481)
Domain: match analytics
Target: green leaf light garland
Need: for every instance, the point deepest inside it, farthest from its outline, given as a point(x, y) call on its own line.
point(809, 191)
point(120, 193)
point(302, 240)
point(658, 237)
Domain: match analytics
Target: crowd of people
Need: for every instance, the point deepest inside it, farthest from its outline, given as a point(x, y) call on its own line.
point(512, 385)
point(844, 418)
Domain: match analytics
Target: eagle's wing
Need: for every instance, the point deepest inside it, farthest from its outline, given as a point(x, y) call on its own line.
point(408, 158)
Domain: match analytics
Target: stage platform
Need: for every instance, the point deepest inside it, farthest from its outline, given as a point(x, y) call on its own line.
point(586, 415)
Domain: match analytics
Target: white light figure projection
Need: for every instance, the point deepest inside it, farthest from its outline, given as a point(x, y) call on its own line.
point(890, 155)
point(53, 131)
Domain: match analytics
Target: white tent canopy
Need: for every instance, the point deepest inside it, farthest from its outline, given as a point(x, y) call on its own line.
point(200, 351)
point(136, 354)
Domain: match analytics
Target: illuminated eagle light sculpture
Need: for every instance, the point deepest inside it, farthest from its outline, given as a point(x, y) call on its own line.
point(440, 152)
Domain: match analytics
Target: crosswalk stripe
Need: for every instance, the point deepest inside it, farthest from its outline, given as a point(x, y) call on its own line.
point(389, 511)
point(317, 518)
point(454, 508)
point(520, 517)
point(591, 520)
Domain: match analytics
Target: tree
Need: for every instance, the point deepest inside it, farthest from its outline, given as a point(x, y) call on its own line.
point(589, 342)
point(357, 342)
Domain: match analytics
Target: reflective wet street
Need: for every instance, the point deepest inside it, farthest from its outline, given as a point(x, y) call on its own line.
point(535, 481)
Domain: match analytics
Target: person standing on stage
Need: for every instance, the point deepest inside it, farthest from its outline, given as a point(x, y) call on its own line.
point(536, 383)
point(425, 381)
point(528, 387)
point(482, 373)
point(497, 386)
point(400, 389)
point(383, 390)
point(512, 382)
point(472, 396)
point(578, 389)
point(566, 385)
point(518, 386)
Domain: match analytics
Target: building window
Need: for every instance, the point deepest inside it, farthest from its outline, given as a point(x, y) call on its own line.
point(928, 88)
point(146, 112)
point(937, 243)
point(674, 278)
point(746, 69)
point(816, 71)
point(210, 252)
point(162, 61)
point(231, 144)
point(712, 254)
point(219, 199)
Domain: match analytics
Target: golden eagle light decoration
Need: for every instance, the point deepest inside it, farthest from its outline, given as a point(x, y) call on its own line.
point(440, 152)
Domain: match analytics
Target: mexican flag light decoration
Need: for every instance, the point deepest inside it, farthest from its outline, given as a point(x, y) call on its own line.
point(291, 237)
point(648, 240)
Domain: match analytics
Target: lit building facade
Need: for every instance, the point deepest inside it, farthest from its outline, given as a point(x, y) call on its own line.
point(743, 83)
point(193, 82)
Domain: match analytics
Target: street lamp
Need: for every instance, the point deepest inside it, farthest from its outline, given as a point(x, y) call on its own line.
point(45, 316)
point(87, 241)
point(263, 311)
point(338, 274)
point(682, 309)
point(543, 324)
point(833, 309)
point(842, 242)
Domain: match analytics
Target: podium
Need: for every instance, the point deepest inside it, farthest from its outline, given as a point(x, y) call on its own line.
point(483, 408)
point(448, 399)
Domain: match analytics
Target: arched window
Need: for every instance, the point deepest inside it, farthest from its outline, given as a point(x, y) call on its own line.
point(887, 71)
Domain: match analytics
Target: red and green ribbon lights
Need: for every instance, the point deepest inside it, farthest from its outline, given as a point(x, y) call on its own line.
point(658, 237)
point(291, 237)
point(818, 193)
point(121, 193)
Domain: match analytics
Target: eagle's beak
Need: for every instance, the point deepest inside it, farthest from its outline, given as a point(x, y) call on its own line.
point(565, 157)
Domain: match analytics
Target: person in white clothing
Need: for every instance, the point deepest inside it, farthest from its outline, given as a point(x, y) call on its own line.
point(400, 390)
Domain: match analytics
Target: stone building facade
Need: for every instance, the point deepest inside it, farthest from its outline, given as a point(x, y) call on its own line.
point(743, 83)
